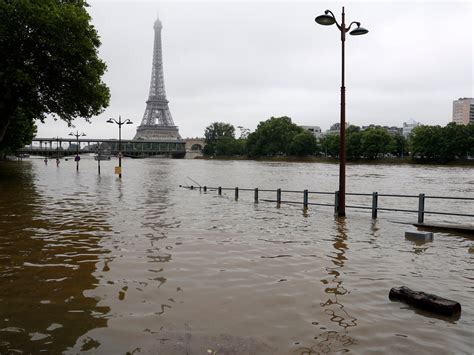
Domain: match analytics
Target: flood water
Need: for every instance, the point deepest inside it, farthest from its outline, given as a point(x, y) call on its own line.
point(142, 266)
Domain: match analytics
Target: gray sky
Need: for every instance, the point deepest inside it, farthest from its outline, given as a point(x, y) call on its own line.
point(243, 62)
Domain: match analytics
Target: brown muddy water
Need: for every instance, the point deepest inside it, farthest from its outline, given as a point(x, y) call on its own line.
point(92, 264)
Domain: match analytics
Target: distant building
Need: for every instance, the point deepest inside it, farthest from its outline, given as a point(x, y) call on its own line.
point(314, 130)
point(392, 130)
point(408, 127)
point(463, 110)
point(335, 128)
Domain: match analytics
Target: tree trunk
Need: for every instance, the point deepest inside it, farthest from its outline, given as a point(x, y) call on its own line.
point(425, 301)
point(6, 111)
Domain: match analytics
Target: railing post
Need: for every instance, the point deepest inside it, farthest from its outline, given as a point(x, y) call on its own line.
point(192, 187)
point(278, 197)
point(305, 199)
point(375, 196)
point(236, 193)
point(255, 195)
point(219, 190)
point(421, 208)
point(205, 188)
point(336, 202)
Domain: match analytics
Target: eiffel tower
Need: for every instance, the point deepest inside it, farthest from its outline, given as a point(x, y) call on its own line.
point(157, 123)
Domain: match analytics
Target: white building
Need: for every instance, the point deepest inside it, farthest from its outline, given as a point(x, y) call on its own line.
point(408, 127)
point(463, 110)
point(315, 130)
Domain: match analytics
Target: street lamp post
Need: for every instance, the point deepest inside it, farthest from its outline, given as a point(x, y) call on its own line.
point(326, 20)
point(77, 158)
point(120, 123)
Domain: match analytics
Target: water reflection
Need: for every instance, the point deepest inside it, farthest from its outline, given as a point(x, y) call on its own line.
point(334, 306)
point(47, 265)
point(335, 341)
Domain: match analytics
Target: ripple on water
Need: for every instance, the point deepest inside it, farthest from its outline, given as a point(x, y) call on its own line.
point(108, 266)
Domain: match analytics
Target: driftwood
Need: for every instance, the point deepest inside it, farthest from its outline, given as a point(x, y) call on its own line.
point(425, 301)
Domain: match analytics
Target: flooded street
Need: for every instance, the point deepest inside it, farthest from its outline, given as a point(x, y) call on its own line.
point(142, 266)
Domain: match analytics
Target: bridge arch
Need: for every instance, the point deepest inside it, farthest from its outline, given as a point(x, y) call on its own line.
point(194, 144)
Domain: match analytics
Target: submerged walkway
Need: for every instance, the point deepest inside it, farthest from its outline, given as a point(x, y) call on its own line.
point(459, 228)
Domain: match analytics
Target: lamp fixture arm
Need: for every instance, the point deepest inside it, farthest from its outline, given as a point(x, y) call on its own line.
point(334, 17)
point(352, 23)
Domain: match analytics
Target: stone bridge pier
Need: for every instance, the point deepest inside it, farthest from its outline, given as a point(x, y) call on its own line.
point(194, 144)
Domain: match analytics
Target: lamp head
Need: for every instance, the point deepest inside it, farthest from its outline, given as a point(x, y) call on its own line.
point(325, 20)
point(110, 121)
point(83, 134)
point(358, 30)
point(71, 134)
point(129, 122)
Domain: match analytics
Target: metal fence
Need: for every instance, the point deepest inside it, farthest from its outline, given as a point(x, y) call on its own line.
point(303, 198)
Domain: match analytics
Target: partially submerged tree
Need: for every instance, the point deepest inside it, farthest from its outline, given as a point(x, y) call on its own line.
point(48, 65)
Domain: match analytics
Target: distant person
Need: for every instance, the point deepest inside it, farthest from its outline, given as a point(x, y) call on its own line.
point(57, 162)
point(45, 161)
point(77, 158)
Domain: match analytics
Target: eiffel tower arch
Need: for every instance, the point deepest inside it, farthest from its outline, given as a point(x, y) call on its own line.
point(157, 123)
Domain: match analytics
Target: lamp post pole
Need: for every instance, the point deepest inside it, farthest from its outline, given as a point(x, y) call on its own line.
point(120, 123)
point(342, 129)
point(77, 158)
point(326, 20)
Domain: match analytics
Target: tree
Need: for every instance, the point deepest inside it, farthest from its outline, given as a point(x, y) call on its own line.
point(272, 137)
point(375, 141)
point(21, 132)
point(217, 135)
point(442, 144)
point(353, 142)
point(470, 143)
point(303, 144)
point(48, 65)
point(425, 142)
point(399, 145)
point(330, 145)
point(455, 142)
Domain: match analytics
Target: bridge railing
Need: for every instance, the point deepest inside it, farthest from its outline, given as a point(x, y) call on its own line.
point(302, 197)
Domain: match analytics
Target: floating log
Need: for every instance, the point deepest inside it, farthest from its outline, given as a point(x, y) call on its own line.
point(425, 301)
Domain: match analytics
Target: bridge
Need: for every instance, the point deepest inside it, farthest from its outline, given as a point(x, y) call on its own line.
point(60, 147)
point(194, 144)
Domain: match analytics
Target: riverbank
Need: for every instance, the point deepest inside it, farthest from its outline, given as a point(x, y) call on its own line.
point(384, 161)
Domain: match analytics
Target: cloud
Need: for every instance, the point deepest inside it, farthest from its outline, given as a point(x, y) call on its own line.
point(244, 62)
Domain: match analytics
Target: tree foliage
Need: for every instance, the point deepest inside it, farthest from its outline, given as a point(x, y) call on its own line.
point(273, 137)
point(303, 144)
point(375, 142)
point(218, 136)
point(21, 132)
point(48, 64)
point(353, 142)
point(442, 144)
point(330, 145)
point(399, 145)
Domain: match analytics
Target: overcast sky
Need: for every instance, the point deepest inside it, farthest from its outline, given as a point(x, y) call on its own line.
point(243, 62)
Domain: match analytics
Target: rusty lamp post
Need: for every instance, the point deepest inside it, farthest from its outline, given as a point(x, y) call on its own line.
point(328, 19)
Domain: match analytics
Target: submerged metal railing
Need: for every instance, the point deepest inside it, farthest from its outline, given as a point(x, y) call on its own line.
point(374, 207)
